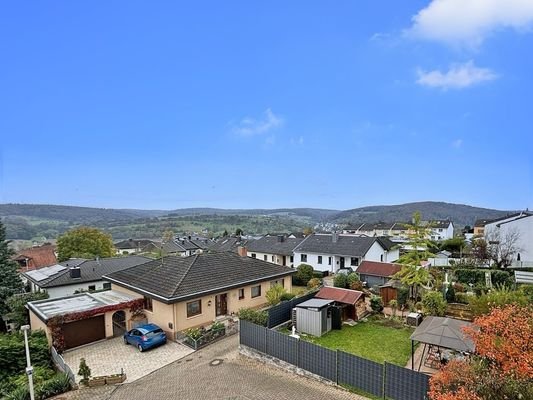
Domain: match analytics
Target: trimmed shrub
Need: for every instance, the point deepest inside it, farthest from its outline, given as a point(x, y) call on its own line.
point(434, 304)
point(351, 279)
point(340, 281)
point(314, 283)
point(450, 294)
point(303, 274)
point(500, 278)
point(254, 316)
point(467, 276)
point(403, 296)
point(287, 296)
point(376, 303)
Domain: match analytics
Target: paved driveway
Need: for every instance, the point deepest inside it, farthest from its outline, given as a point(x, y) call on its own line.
point(216, 372)
point(109, 356)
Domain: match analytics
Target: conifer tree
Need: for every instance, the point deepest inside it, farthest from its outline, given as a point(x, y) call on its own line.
point(10, 282)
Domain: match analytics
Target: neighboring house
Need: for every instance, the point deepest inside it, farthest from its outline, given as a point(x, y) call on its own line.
point(376, 273)
point(77, 275)
point(186, 292)
point(36, 257)
point(134, 246)
point(90, 316)
point(331, 252)
point(230, 243)
point(182, 246)
point(439, 229)
point(275, 249)
point(521, 227)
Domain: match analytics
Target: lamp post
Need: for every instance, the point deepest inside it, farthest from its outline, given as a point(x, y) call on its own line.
point(29, 368)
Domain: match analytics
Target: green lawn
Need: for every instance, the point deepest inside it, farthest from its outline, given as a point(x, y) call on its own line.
point(375, 340)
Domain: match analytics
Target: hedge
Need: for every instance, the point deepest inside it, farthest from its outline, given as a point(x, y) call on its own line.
point(13, 354)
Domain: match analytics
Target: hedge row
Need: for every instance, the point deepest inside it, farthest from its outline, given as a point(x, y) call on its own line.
point(13, 355)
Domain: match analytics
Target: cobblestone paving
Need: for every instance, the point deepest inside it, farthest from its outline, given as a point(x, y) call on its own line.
point(233, 377)
point(109, 356)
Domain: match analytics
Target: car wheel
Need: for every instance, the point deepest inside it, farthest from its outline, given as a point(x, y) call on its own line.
point(140, 348)
point(126, 341)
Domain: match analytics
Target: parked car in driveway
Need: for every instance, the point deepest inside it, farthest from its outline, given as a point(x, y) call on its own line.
point(145, 336)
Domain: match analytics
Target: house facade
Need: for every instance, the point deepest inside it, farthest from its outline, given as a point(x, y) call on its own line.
point(275, 249)
point(521, 228)
point(184, 292)
point(78, 275)
point(331, 252)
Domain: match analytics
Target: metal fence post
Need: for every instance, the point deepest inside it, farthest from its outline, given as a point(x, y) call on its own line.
point(337, 366)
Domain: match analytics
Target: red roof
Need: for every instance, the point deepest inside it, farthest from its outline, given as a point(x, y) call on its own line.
point(340, 295)
point(376, 268)
point(36, 257)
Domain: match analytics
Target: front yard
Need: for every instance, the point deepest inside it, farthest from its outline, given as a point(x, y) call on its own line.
point(378, 339)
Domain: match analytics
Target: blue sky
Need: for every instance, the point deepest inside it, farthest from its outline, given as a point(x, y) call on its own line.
point(273, 104)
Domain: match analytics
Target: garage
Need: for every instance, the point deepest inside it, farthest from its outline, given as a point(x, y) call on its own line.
point(84, 331)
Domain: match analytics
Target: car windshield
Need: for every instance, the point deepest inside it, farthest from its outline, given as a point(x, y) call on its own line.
point(154, 332)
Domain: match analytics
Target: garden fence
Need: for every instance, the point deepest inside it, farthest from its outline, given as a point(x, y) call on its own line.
point(210, 336)
point(282, 312)
point(62, 365)
point(386, 381)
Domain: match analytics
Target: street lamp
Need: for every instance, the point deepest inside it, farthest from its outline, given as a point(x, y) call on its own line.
point(29, 368)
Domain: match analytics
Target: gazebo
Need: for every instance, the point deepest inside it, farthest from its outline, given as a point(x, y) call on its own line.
point(442, 332)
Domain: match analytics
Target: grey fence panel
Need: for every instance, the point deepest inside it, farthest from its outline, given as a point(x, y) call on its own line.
point(405, 384)
point(360, 373)
point(60, 363)
point(318, 360)
point(282, 346)
point(253, 336)
point(282, 312)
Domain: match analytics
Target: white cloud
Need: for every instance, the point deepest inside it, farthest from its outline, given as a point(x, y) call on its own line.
point(459, 76)
point(251, 127)
point(457, 143)
point(469, 22)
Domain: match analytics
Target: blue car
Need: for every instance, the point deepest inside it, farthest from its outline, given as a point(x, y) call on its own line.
point(145, 336)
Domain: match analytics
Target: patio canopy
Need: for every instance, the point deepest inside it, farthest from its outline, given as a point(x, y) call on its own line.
point(444, 332)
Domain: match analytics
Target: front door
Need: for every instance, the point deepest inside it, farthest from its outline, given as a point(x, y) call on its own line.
point(342, 262)
point(221, 303)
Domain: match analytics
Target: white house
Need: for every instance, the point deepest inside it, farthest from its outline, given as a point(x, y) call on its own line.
point(78, 275)
point(520, 226)
point(331, 252)
point(275, 249)
point(441, 229)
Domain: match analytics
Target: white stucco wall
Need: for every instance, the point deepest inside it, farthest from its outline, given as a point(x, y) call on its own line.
point(524, 227)
point(62, 291)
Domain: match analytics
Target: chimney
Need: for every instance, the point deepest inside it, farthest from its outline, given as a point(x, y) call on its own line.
point(281, 238)
point(334, 237)
point(241, 250)
point(75, 272)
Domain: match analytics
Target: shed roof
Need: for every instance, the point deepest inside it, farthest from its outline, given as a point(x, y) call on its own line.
point(340, 295)
point(376, 268)
point(315, 303)
point(444, 332)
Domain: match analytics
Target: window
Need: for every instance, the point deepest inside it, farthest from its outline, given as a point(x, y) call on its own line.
point(92, 287)
point(107, 285)
point(440, 229)
point(381, 258)
point(272, 258)
point(329, 260)
point(292, 259)
point(241, 294)
point(280, 282)
point(303, 257)
point(354, 261)
point(256, 291)
point(265, 257)
point(320, 259)
point(148, 304)
point(254, 255)
point(194, 308)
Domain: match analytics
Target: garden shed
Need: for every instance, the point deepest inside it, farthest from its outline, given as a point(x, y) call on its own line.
point(313, 316)
point(350, 302)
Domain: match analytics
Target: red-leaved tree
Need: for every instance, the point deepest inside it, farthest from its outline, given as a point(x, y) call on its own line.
point(503, 365)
